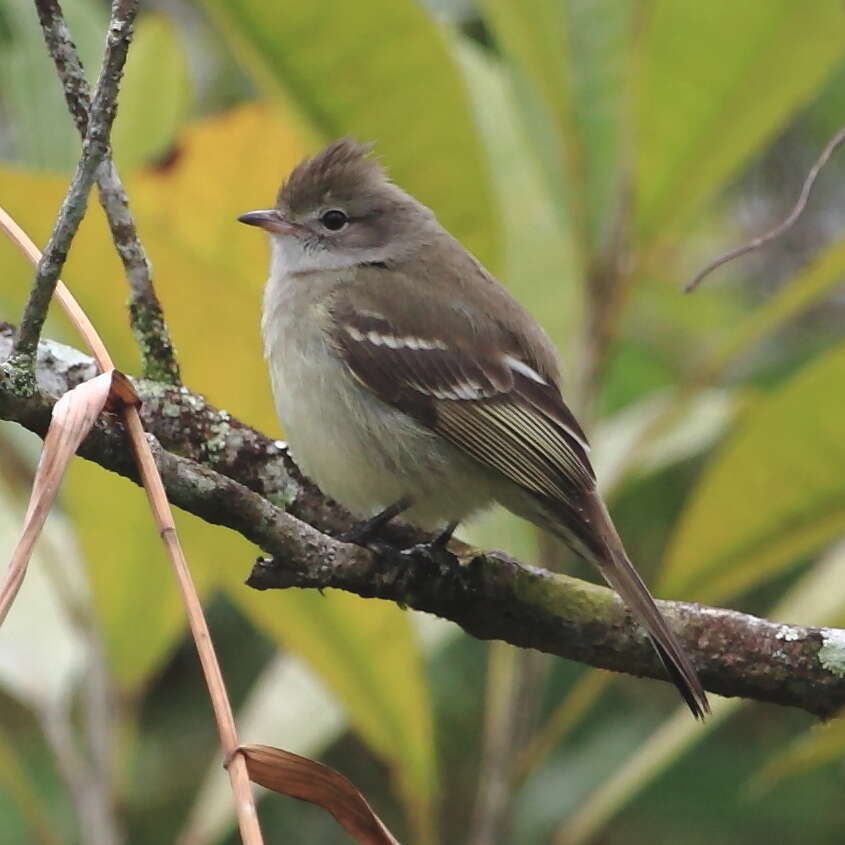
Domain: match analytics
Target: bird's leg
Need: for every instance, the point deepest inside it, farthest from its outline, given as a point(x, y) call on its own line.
point(435, 549)
point(441, 540)
point(403, 567)
point(408, 571)
point(364, 531)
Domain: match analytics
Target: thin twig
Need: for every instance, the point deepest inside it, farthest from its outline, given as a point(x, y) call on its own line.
point(154, 487)
point(158, 357)
point(94, 148)
point(786, 224)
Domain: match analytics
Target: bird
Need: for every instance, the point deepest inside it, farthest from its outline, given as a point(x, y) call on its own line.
point(408, 380)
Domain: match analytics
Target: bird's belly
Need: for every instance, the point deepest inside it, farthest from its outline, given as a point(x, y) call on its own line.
point(361, 452)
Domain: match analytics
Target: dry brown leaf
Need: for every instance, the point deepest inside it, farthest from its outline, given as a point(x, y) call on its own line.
point(308, 780)
point(73, 416)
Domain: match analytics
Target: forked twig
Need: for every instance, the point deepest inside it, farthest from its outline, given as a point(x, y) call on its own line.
point(158, 358)
point(797, 210)
point(94, 149)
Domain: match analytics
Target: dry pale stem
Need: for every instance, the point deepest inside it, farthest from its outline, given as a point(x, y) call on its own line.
point(163, 516)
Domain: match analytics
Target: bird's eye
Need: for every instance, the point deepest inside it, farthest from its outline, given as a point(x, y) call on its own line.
point(334, 220)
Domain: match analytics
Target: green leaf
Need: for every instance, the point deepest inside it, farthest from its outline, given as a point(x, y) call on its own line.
point(154, 94)
point(26, 795)
point(773, 493)
point(133, 588)
point(677, 735)
point(817, 747)
point(41, 129)
point(570, 60)
point(365, 652)
point(810, 285)
point(628, 442)
point(539, 258)
point(703, 105)
point(381, 74)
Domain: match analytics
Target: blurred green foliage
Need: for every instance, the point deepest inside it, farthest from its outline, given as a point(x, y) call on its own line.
point(592, 153)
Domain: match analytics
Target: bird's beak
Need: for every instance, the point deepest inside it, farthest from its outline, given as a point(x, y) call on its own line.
point(271, 221)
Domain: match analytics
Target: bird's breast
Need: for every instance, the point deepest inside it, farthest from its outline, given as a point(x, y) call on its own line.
point(358, 450)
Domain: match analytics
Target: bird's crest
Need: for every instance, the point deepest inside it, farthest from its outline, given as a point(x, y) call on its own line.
point(342, 171)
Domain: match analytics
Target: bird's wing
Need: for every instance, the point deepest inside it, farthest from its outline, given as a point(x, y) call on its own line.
point(494, 404)
point(489, 401)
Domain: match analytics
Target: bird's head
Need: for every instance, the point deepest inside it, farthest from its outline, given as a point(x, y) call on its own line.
point(338, 210)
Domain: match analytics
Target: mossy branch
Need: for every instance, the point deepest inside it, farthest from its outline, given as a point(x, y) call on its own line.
point(229, 474)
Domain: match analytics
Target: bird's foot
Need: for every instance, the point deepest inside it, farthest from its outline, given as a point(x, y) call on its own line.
point(436, 549)
point(405, 574)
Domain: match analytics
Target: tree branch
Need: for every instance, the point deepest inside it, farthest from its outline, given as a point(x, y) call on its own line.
point(158, 358)
point(229, 474)
point(94, 149)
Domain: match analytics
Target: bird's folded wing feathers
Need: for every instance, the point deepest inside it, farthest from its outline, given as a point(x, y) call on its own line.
point(488, 400)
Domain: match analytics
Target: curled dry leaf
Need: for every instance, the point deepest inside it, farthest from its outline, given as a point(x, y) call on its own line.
point(308, 780)
point(73, 416)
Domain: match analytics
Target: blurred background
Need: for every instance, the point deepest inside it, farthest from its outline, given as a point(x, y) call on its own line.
point(594, 154)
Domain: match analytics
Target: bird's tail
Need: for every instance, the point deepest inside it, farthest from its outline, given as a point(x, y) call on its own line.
point(620, 574)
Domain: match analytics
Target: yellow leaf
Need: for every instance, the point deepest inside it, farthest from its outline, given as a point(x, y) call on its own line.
point(817, 747)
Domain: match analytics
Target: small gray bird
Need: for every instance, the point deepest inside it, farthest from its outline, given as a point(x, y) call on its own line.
point(406, 378)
